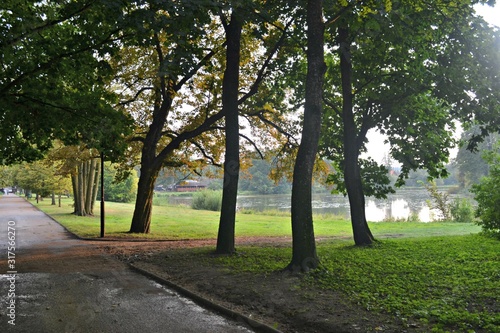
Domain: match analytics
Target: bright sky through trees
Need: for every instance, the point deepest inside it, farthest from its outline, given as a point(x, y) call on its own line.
point(377, 149)
point(490, 14)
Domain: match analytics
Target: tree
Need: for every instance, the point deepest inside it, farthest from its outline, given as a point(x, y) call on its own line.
point(230, 109)
point(471, 166)
point(85, 186)
point(172, 60)
point(54, 75)
point(230, 89)
point(118, 190)
point(487, 194)
point(402, 89)
point(84, 167)
point(304, 256)
point(175, 99)
point(39, 177)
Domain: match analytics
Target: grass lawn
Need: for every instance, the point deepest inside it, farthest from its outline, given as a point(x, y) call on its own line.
point(445, 276)
point(179, 222)
point(449, 284)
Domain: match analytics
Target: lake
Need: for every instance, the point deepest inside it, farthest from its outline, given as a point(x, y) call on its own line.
point(400, 205)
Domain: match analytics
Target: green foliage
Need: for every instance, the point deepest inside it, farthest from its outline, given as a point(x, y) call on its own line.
point(53, 80)
point(487, 194)
point(441, 283)
point(207, 200)
point(411, 91)
point(39, 177)
point(375, 179)
point(462, 210)
point(118, 191)
point(471, 166)
point(440, 200)
point(256, 179)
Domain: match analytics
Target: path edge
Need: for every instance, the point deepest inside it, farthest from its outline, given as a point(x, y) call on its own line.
point(226, 312)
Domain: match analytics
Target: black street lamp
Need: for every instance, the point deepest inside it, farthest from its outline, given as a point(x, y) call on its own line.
point(102, 195)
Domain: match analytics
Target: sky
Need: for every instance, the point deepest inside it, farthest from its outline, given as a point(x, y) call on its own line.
point(490, 14)
point(377, 149)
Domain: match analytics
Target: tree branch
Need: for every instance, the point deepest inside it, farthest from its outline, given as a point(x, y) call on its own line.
point(289, 136)
point(135, 96)
point(48, 64)
point(195, 69)
point(332, 105)
point(261, 74)
point(204, 153)
point(47, 24)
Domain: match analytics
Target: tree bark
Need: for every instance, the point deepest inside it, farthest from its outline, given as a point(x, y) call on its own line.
point(230, 88)
point(141, 220)
point(304, 255)
point(89, 181)
point(97, 179)
point(74, 183)
point(80, 190)
point(85, 183)
point(352, 172)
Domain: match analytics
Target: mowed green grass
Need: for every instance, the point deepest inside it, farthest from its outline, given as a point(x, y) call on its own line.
point(181, 222)
point(440, 284)
point(440, 277)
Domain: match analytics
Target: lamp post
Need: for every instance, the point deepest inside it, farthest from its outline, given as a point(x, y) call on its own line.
point(102, 195)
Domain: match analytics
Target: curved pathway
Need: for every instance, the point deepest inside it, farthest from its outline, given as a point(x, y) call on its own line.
point(52, 282)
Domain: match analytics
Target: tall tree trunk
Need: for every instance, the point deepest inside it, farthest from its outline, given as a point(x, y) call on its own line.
point(225, 237)
point(81, 190)
point(141, 220)
point(150, 164)
point(53, 196)
point(97, 178)
point(85, 183)
point(95, 183)
point(90, 181)
point(352, 172)
point(74, 183)
point(304, 255)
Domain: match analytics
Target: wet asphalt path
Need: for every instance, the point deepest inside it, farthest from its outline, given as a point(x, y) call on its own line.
point(56, 290)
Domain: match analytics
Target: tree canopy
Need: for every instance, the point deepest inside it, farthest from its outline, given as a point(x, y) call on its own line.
point(409, 70)
point(54, 76)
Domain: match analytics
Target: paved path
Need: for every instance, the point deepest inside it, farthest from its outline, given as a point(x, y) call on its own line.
point(56, 290)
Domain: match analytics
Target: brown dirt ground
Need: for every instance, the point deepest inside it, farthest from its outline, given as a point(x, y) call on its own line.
point(274, 299)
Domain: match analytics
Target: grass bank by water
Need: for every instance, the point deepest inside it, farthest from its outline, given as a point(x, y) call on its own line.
point(180, 222)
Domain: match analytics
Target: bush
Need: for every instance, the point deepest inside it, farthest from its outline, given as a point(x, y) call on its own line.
point(440, 200)
point(461, 210)
point(487, 195)
point(207, 200)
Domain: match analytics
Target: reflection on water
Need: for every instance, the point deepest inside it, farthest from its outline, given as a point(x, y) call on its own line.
point(398, 209)
point(403, 205)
